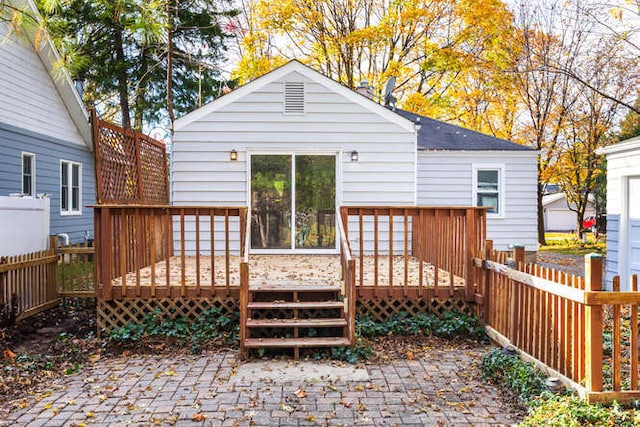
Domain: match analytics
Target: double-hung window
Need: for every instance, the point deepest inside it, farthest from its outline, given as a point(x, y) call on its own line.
point(70, 188)
point(28, 174)
point(488, 188)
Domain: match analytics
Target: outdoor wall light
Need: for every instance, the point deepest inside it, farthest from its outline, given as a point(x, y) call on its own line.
point(233, 155)
point(354, 156)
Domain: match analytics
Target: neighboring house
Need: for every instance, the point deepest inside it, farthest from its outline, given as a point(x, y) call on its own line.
point(623, 210)
point(45, 136)
point(296, 141)
point(558, 213)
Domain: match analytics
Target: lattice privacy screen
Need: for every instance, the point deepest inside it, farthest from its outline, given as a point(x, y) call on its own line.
point(131, 168)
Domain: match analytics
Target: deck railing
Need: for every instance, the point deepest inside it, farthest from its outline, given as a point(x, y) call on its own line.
point(558, 321)
point(416, 251)
point(131, 238)
point(348, 268)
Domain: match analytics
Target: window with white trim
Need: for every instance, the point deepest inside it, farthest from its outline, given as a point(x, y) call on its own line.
point(28, 174)
point(488, 188)
point(70, 188)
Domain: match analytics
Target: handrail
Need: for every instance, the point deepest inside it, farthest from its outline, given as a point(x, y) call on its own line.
point(247, 236)
point(348, 264)
point(244, 280)
point(344, 242)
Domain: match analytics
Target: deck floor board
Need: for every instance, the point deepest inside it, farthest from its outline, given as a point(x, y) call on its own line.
point(271, 270)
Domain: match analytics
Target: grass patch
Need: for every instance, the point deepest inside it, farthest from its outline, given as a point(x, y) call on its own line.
point(569, 244)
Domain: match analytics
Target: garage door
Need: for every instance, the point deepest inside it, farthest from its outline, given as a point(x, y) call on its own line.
point(634, 225)
point(560, 220)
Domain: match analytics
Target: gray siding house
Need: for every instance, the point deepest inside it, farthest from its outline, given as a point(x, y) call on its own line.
point(623, 210)
point(45, 137)
point(294, 143)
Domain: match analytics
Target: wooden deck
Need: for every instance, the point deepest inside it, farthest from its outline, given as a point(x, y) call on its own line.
point(324, 270)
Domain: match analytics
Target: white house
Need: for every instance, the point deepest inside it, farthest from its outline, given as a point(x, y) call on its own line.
point(623, 210)
point(560, 215)
point(293, 145)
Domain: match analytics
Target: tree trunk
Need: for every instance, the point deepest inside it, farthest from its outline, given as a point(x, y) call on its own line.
point(123, 92)
point(541, 238)
point(138, 114)
point(172, 116)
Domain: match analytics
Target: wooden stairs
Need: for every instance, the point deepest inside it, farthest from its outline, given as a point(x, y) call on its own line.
point(294, 316)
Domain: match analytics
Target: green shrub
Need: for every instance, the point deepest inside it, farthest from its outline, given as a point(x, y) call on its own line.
point(509, 370)
point(452, 324)
point(212, 325)
point(570, 410)
point(361, 351)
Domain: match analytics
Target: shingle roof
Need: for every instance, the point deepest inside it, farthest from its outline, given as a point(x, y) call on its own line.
point(437, 135)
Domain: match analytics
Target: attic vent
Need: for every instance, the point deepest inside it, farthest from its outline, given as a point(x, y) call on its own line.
point(294, 97)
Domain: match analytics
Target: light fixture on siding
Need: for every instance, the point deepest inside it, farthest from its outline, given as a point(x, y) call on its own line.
point(354, 156)
point(233, 155)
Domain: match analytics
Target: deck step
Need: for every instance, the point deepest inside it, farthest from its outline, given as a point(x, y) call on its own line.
point(296, 342)
point(294, 287)
point(300, 323)
point(294, 304)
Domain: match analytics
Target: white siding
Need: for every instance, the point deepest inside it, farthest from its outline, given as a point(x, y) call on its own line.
point(202, 173)
point(29, 100)
point(621, 165)
point(445, 179)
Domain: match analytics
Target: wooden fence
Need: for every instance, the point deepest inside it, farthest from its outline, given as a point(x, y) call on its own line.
point(131, 238)
point(76, 274)
point(28, 283)
point(558, 321)
point(405, 241)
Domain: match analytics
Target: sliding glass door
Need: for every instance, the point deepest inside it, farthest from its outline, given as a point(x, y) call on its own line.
point(293, 202)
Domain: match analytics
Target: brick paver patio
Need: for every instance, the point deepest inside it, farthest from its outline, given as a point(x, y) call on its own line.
point(441, 388)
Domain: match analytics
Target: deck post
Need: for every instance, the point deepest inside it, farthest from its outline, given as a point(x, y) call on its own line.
point(244, 300)
point(470, 244)
point(351, 283)
point(103, 256)
point(486, 300)
point(593, 324)
point(515, 320)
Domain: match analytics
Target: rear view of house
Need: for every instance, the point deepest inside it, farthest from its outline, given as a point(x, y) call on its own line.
point(45, 137)
point(293, 145)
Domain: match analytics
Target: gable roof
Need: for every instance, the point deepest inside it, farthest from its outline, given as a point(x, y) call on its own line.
point(61, 79)
point(437, 135)
point(630, 144)
point(290, 67)
point(552, 198)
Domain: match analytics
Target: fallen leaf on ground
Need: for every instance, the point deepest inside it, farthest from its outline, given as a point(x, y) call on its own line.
point(198, 417)
point(300, 393)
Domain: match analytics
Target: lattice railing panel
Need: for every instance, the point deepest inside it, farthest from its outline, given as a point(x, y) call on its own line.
point(131, 168)
point(383, 309)
point(153, 168)
point(117, 313)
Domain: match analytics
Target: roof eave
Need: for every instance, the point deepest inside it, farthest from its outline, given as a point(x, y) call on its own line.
point(49, 56)
point(279, 72)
